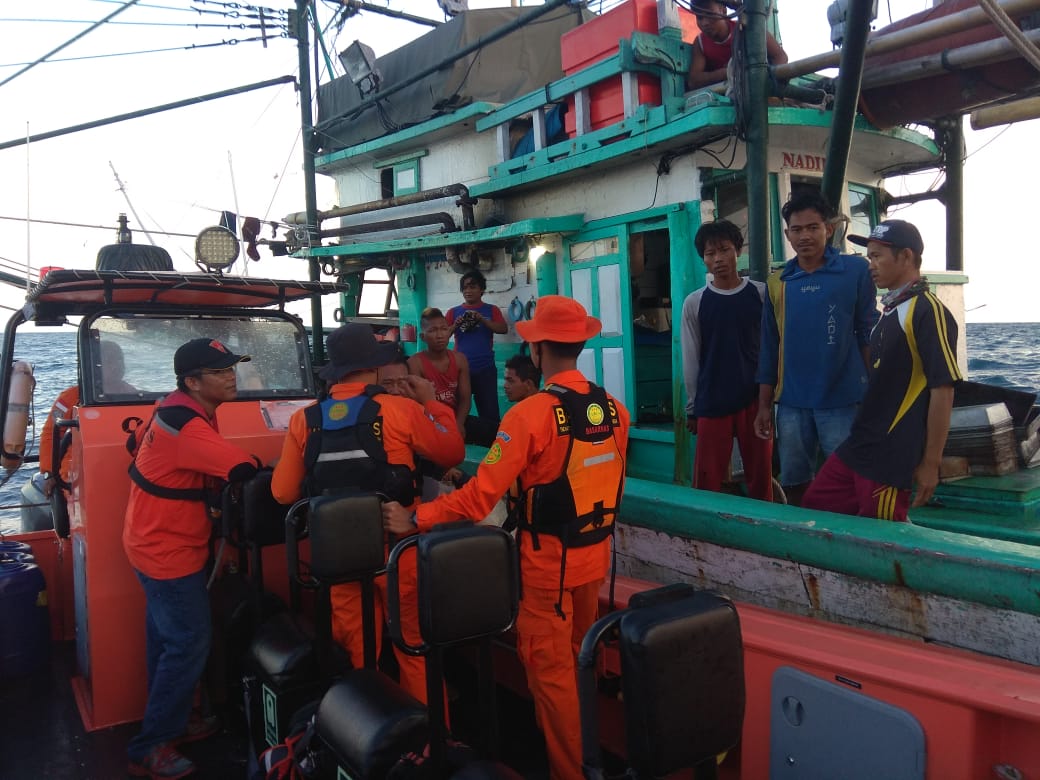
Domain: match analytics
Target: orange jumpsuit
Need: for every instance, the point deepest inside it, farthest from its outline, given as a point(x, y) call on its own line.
point(62, 410)
point(408, 429)
point(529, 447)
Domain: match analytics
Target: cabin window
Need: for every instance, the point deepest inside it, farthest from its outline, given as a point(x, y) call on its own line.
point(863, 210)
point(378, 293)
point(131, 358)
point(728, 193)
point(400, 175)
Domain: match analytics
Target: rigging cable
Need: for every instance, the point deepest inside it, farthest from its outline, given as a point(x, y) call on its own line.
point(90, 29)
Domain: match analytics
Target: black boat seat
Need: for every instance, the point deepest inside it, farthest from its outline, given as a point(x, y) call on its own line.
point(369, 722)
point(283, 650)
point(682, 681)
point(263, 518)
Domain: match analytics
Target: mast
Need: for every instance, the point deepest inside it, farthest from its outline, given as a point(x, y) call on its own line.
point(757, 166)
point(310, 188)
point(853, 53)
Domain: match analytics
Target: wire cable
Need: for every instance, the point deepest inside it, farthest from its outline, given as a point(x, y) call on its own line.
point(71, 41)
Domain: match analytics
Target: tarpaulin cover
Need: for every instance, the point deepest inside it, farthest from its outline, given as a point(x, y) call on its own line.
point(512, 66)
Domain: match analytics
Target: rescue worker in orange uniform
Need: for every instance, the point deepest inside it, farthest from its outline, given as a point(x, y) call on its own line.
point(384, 433)
point(566, 446)
point(112, 369)
point(180, 464)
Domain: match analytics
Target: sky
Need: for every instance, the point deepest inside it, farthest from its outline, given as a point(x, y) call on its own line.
point(179, 169)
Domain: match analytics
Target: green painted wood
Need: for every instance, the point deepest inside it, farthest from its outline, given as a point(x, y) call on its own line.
point(650, 126)
point(778, 245)
point(528, 227)
point(611, 67)
point(984, 571)
point(416, 132)
point(350, 301)
point(687, 274)
point(546, 279)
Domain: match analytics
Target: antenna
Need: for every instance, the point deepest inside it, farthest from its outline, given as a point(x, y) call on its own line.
point(126, 197)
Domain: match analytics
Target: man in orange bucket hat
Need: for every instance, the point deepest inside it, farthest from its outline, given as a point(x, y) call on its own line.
point(565, 448)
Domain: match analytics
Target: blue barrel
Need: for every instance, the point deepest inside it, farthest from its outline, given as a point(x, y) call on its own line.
point(14, 547)
point(24, 623)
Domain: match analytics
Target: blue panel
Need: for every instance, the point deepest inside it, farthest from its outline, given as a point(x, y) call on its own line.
point(821, 730)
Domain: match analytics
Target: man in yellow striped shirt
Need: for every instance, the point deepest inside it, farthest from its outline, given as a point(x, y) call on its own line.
point(897, 439)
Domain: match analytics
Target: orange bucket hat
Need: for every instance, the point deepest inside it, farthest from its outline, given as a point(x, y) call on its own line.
point(561, 319)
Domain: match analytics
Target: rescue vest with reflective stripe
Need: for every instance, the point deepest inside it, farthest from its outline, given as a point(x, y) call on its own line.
point(173, 418)
point(344, 452)
point(581, 505)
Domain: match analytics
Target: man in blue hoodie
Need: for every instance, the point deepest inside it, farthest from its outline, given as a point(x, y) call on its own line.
point(816, 325)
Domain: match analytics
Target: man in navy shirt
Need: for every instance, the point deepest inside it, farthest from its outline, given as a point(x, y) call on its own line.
point(721, 323)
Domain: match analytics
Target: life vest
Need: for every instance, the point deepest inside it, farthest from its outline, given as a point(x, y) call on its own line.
point(581, 505)
point(344, 452)
point(173, 418)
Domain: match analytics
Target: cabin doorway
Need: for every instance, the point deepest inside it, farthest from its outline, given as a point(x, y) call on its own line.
point(596, 275)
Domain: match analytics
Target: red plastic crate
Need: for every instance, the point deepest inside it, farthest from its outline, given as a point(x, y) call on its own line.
point(598, 39)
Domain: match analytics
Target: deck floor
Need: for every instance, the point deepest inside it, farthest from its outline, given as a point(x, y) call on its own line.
point(42, 736)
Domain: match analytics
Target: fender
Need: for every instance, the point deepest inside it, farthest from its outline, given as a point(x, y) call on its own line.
point(22, 385)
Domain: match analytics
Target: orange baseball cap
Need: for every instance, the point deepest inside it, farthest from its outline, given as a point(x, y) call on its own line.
point(561, 319)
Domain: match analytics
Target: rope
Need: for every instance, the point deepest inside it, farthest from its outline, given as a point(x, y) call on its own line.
point(1003, 22)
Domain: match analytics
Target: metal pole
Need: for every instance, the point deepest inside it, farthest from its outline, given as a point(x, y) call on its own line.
point(850, 74)
point(756, 168)
point(310, 190)
point(954, 192)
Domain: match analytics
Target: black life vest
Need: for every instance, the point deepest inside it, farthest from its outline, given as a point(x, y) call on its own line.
point(581, 505)
point(344, 452)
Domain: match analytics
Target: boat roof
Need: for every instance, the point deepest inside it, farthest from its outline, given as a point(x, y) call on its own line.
point(86, 291)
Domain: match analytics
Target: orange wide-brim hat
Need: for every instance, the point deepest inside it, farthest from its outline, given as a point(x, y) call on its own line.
point(559, 319)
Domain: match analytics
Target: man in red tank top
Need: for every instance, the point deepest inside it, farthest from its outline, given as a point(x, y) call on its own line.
point(446, 368)
point(714, 46)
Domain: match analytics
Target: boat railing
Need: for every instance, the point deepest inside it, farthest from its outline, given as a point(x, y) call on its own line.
point(662, 57)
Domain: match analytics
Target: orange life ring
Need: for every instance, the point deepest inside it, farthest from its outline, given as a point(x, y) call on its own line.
point(22, 385)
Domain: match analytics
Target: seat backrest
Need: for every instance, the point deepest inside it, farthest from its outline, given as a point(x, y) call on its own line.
point(347, 539)
point(468, 582)
point(263, 518)
point(682, 674)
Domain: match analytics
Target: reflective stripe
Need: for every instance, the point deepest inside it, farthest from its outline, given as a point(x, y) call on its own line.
point(606, 458)
point(346, 455)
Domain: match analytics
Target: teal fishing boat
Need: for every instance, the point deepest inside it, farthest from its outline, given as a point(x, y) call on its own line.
point(559, 151)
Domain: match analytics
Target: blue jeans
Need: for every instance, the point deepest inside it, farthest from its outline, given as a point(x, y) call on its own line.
point(177, 623)
point(800, 433)
point(485, 395)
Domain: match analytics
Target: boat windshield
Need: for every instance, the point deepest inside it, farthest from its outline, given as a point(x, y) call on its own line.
point(127, 359)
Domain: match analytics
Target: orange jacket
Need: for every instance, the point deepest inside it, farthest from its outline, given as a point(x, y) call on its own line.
point(528, 446)
point(62, 410)
point(408, 429)
point(166, 538)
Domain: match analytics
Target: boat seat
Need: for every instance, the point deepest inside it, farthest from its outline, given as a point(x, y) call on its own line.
point(449, 560)
point(293, 665)
point(369, 722)
point(682, 681)
point(283, 650)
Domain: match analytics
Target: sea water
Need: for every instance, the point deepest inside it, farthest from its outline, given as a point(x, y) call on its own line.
point(1001, 354)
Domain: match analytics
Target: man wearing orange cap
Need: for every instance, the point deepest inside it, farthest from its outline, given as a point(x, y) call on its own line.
point(566, 448)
